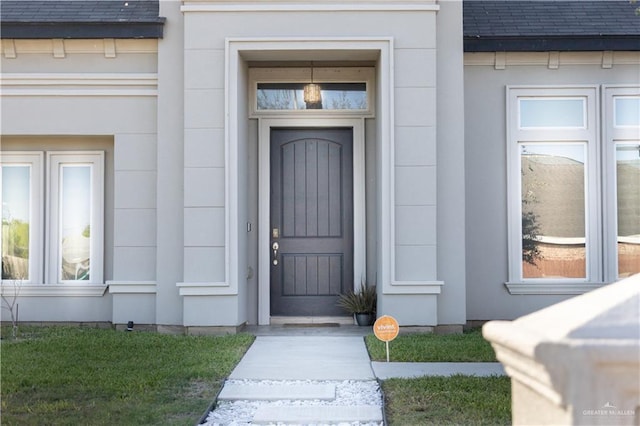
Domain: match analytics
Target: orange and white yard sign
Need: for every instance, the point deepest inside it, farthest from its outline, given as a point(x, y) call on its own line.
point(386, 328)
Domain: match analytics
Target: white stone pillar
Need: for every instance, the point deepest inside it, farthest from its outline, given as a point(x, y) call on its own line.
point(576, 362)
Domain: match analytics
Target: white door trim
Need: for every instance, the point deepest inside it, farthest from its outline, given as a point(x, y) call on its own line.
point(264, 196)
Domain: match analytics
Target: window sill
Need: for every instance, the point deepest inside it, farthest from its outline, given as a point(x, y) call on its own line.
point(53, 290)
point(518, 288)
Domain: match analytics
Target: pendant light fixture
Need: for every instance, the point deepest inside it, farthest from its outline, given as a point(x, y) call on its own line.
point(312, 94)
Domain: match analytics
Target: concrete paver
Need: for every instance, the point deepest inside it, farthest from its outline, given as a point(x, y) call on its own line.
point(305, 358)
point(256, 392)
point(318, 414)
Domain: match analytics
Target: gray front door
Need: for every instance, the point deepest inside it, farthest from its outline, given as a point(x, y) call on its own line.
point(311, 220)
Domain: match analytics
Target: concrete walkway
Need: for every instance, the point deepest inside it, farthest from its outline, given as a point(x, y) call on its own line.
point(305, 358)
point(309, 365)
point(303, 370)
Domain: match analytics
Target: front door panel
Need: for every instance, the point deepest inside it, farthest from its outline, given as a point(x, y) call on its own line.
point(311, 220)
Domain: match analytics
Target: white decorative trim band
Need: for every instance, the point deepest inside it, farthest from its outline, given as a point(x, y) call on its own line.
point(414, 287)
point(132, 287)
point(205, 289)
point(301, 6)
point(108, 47)
point(554, 60)
point(54, 290)
point(79, 84)
point(551, 288)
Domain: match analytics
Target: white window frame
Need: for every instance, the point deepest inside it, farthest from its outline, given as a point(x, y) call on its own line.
point(35, 161)
point(320, 75)
point(612, 135)
point(593, 214)
point(56, 160)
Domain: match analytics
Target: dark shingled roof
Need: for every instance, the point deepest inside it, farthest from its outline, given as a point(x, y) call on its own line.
point(80, 19)
point(549, 25)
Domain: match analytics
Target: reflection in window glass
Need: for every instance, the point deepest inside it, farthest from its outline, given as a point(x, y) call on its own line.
point(553, 210)
point(16, 211)
point(75, 220)
point(552, 112)
point(627, 111)
point(290, 96)
point(628, 196)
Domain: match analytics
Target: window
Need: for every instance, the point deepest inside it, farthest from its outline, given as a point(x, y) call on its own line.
point(291, 96)
point(622, 169)
point(574, 196)
point(22, 216)
point(72, 234)
point(311, 90)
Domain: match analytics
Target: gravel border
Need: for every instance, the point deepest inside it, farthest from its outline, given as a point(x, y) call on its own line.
point(348, 393)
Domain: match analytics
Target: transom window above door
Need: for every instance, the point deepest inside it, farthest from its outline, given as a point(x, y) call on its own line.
point(346, 91)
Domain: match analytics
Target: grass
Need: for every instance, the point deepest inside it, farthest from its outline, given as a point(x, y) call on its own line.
point(467, 347)
point(73, 375)
point(456, 400)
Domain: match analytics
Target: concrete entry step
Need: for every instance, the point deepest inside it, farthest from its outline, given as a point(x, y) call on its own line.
point(317, 414)
point(258, 392)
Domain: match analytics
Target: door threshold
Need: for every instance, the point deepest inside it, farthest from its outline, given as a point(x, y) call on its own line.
point(310, 321)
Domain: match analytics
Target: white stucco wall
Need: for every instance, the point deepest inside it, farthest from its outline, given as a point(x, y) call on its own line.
point(485, 156)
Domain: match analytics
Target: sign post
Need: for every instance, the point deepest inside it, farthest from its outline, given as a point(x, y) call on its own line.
point(386, 328)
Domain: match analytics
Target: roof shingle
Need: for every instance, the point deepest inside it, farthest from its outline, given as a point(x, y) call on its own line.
point(497, 25)
point(80, 19)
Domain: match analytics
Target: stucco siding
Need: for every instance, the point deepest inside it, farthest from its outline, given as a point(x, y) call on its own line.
point(170, 239)
point(413, 37)
point(450, 155)
point(85, 95)
point(486, 170)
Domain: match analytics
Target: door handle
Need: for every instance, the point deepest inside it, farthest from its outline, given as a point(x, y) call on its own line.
point(275, 246)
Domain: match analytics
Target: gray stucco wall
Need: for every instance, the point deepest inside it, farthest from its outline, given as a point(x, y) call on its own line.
point(414, 47)
point(486, 172)
point(450, 159)
point(172, 159)
point(83, 97)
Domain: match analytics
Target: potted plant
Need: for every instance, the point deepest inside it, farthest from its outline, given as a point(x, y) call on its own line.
point(361, 303)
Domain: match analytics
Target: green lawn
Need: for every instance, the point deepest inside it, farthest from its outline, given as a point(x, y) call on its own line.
point(457, 400)
point(73, 375)
point(467, 347)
